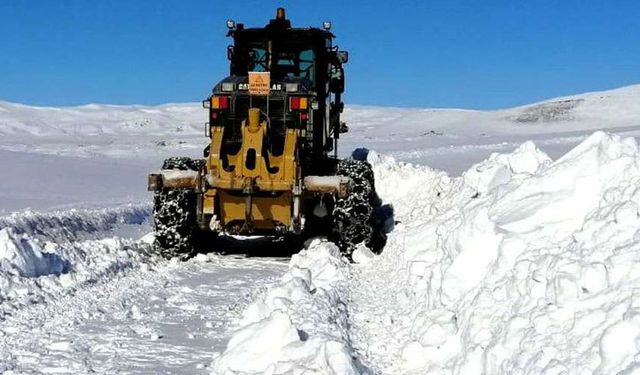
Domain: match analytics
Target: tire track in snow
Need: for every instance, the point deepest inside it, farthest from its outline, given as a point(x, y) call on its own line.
point(380, 307)
point(378, 318)
point(169, 318)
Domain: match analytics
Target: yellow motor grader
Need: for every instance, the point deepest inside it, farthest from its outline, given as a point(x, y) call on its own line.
point(271, 165)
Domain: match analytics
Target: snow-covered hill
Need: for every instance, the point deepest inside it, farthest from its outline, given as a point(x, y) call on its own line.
point(148, 131)
point(612, 108)
point(96, 119)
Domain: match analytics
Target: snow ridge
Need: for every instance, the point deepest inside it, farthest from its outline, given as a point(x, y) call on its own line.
point(45, 254)
point(301, 324)
point(76, 224)
point(523, 265)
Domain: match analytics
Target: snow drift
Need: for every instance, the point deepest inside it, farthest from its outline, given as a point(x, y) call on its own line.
point(44, 254)
point(300, 326)
point(522, 265)
point(77, 223)
point(23, 256)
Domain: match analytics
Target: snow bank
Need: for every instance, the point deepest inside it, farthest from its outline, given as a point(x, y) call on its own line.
point(76, 224)
point(522, 265)
point(22, 255)
point(300, 325)
point(42, 255)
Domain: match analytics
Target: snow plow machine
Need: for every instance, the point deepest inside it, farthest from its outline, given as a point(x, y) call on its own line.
point(271, 165)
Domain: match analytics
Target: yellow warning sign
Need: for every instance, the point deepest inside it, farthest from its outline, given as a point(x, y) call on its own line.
point(259, 83)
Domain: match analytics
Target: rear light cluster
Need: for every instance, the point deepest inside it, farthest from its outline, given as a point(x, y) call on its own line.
point(219, 102)
point(298, 103)
point(216, 104)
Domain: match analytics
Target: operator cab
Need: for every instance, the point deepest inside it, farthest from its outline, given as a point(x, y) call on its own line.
point(285, 61)
point(306, 80)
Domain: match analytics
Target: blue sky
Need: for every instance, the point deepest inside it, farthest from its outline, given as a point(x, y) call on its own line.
point(473, 54)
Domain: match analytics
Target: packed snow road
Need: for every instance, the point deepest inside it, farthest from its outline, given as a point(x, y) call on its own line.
point(78, 299)
point(170, 320)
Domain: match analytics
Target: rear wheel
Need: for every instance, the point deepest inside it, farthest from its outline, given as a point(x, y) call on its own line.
point(174, 215)
point(354, 217)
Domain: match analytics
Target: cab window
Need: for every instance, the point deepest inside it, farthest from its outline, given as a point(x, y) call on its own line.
point(258, 59)
point(294, 64)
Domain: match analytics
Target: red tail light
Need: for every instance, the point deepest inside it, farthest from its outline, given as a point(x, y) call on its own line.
point(298, 103)
point(219, 102)
point(294, 102)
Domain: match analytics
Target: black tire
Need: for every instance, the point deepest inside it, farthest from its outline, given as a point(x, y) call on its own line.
point(354, 217)
point(174, 215)
point(183, 163)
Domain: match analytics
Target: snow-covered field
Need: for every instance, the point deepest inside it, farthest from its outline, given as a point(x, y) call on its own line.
point(514, 249)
